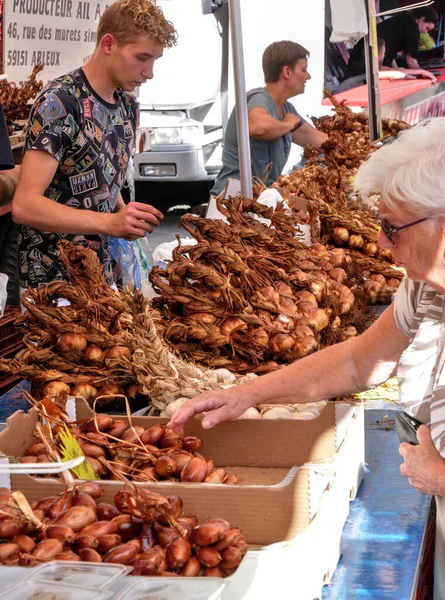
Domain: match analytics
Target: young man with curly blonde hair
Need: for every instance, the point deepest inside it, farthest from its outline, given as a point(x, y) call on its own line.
point(80, 136)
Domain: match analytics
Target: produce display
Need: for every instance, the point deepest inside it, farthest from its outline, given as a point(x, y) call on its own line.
point(250, 296)
point(116, 448)
point(103, 343)
point(338, 218)
point(14, 99)
point(141, 529)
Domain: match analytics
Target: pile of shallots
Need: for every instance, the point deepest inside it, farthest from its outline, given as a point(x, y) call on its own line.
point(114, 448)
point(141, 529)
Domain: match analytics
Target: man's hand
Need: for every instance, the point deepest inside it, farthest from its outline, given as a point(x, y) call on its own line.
point(134, 221)
point(423, 465)
point(222, 405)
point(421, 72)
point(294, 121)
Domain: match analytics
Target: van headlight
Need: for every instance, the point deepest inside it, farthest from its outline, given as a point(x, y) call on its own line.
point(161, 136)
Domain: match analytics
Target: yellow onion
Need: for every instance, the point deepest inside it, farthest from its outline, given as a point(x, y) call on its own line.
point(118, 352)
point(55, 388)
point(85, 390)
point(355, 241)
point(110, 389)
point(370, 248)
point(93, 354)
point(69, 342)
point(340, 235)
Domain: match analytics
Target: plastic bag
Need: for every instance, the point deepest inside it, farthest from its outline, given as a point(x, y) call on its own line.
point(3, 292)
point(126, 264)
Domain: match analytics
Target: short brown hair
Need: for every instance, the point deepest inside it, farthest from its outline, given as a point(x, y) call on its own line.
point(127, 19)
point(279, 55)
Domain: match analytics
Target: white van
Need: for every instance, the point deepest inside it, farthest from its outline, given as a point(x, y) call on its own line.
point(179, 140)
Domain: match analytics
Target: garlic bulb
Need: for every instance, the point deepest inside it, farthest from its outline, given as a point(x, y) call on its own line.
point(303, 416)
point(250, 413)
point(172, 407)
point(279, 412)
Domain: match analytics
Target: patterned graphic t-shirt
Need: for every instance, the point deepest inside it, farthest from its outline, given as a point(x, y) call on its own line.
point(92, 140)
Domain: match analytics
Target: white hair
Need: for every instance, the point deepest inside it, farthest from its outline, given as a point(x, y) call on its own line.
point(408, 172)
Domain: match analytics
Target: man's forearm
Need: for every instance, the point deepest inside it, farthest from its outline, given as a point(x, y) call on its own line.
point(411, 62)
point(120, 203)
point(42, 213)
point(268, 128)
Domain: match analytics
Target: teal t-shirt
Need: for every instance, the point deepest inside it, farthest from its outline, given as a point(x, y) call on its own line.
point(273, 152)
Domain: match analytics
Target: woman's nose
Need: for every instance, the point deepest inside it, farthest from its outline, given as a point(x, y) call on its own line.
point(383, 240)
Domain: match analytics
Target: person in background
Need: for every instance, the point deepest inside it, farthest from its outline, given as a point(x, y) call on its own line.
point(360, 78)
point(9, 172)
point(274, 124)
point(80, 135)
point(410, 210)
point(400, 33)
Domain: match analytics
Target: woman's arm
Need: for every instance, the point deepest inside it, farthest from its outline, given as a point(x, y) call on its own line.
point(350, 367)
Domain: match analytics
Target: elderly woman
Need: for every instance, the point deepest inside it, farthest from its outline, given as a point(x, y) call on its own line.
point(408, 339)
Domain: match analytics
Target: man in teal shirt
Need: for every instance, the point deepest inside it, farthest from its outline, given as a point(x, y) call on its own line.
point(274, 124)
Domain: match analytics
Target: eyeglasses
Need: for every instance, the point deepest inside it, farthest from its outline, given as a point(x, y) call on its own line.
point(390, 230)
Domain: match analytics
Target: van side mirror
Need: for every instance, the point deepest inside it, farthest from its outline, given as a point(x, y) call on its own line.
point(210, 6)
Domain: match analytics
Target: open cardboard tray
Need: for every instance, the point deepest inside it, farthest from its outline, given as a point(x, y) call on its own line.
point(286, 465)
point(297, 568)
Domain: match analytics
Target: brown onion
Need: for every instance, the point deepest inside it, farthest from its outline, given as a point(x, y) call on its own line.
point(208, 556)
point(153, 434)
point(133, 435)
point(92, 488)
point(355, 241)
point(122, 554)
point(231, 557)
point(212, 572)
point(340, 235)
point(67, 555)
point(63, 533)
point(77, 517)
point(111, 389)
point(90, 555)
point(24, 542)
point(191, 443)
point(117, 352)
point(10, 528)
point(107, 542)
point(118, 429)
point(86, 541)
point(55, 388)
point(191, 568)
point(195, 470)
point(93, 354)
point(216, 476)
point(178, 553)
point(165, 466)
point(47, 549)
point(84, 390)
point(100, 528)
point(69, 342)
point(207, 534)
point(105, 511)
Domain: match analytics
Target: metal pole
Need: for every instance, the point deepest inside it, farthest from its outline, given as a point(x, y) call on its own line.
point(372, 74)
point(242, 127)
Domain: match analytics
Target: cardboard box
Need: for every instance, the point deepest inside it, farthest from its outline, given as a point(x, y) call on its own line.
point(299, 566)
point(285, 465)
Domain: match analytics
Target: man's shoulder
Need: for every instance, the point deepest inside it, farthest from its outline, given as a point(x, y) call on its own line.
point(67, 88)
point(259, 97)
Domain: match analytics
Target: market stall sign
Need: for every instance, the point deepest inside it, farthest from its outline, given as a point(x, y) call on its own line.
point(61, 34)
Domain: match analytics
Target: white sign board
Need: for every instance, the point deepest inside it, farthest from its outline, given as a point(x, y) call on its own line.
point(61, 34)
